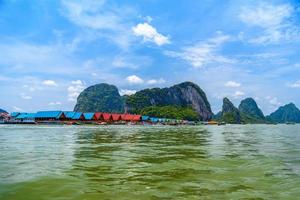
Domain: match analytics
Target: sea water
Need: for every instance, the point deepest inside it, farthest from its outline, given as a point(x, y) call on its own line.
point(150, 162)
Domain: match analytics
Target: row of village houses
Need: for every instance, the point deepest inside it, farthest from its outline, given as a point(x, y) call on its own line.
point(69, 117)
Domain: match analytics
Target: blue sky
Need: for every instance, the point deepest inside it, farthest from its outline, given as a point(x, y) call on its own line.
point(51, 50)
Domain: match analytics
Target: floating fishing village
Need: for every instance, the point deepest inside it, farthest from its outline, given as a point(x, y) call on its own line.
point(92, 118)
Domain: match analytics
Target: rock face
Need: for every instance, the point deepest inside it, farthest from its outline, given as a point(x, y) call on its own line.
point(230, 114)
point(287, 113)
point(248, 106)
point(101, 97)
point(2, 111)
point(186, 94)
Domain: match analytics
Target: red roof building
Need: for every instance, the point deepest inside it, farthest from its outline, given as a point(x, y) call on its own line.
point(99, 116)
point(136, 118)
point(116, 117)
point(130, 117)
point(107, 117)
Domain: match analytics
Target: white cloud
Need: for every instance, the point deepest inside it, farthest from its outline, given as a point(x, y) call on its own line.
point(101, 19)
point(50, 83)
point(232, 84)
point(54, 103)
point(134, 79)
point(149, 33)
point(127, 92)
point(24, 96)
point(274, 101)
point(203, 53)
point(238, 94)
point(75, 89)
point(17, 109)
point(30, 88)
point(294, 85)
point(156, 81)
point(122, 62)
point(273, 19)
point(77, 82)
point(90, 14)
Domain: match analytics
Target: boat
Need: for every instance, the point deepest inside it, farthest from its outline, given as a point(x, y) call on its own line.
point(212, 123)
point(221, 123)
point(290, 123)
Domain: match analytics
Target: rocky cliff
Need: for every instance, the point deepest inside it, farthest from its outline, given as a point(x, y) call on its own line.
point(230, 114)
point(249, 107)
point(101, 97)
point(186, 94)
point(287, 113)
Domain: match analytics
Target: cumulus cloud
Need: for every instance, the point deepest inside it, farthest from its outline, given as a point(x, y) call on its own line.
point(102, 19)
point(54, 103)
point(156, 81)
point(274, 101)
point(203, 53)
point(17, 109)
point(273, 19)
point(75, 89)
point(127, 92)
point(50, 83)
point(149, 33)
point(294, 85)
point(122, 62)
point(232, 84)
point(133, 79)
point(24, 96)
point(238, 94)
point(90, 14)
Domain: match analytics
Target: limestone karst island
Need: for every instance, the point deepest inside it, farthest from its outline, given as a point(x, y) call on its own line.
point(182, 104)
point(149, 100)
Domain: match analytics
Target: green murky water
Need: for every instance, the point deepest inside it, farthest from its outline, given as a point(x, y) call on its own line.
point(135, 162)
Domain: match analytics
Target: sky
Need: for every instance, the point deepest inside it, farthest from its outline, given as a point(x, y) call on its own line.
point(51, 50)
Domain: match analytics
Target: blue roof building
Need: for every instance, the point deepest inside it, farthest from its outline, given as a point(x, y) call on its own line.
point(153, 119)
point(145, 118)
point(89, 116)
point(44, 115)
point(15, 114)
point(26, 117)
point(78, 115)
point(69, 114)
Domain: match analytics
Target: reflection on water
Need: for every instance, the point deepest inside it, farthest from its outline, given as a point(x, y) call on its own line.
point(160, 162)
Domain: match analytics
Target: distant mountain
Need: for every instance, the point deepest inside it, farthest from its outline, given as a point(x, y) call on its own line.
point(186, 94)
point(101, 97)
point(250, 112)
point(287, 113)
point(185, 97)
point(2, 111)
point(249, 106)
point(230, 114)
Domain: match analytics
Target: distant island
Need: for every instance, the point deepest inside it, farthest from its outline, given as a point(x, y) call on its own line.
point(2, 111)
point(182, 101)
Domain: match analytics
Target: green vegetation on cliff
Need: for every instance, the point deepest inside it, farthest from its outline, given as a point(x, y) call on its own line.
point(230, 114)
point(101, 97)
point(287, 113)
point(248, 113)
point(249, 107)
point(186, 94)
point(173, 112)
